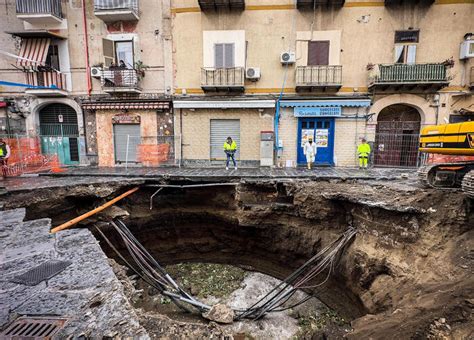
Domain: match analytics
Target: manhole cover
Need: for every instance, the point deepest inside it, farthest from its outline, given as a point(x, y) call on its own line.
point(33, 328)
point(40, 273)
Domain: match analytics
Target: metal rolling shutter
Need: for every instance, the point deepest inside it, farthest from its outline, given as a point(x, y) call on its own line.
point(220, 130)
point(121, 131)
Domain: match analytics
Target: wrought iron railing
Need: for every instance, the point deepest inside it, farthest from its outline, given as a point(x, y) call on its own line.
point(50, 79)
point(60, 130)
point(408, 73)
point(120, 78)
point(222, 77)
point(39, 7)
point(111, 5)
point(320, 75)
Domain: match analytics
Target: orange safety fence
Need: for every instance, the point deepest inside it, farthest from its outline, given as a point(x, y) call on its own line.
point(153, 154)
point(26, 157)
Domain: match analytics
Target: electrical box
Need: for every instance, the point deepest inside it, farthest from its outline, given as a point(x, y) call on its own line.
point(266, 148)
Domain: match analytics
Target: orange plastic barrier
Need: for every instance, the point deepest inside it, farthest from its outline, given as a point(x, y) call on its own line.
point(153, 154)
point(26, 157)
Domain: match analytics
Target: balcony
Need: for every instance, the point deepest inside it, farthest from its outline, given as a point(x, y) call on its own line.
point(402, 2)
point(214, 5)
point(120, 81)
point(407, 77)
point(318, 78)
point(222, 79)
point(39, 12)
point(112, 11)
point(46, 84)
point(310, 4)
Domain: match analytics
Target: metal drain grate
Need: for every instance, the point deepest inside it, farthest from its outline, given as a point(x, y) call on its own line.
point(33, 328)
point(42, 272)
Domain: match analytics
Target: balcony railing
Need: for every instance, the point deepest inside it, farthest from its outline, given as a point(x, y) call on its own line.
point(222, 78)
point(120, 80)
point(116, 10)
point(310, 4)
point(37, 7)
point(409, 74)
point(401, 2)
point(50, 80)
point(320, 76)
point(221, 4)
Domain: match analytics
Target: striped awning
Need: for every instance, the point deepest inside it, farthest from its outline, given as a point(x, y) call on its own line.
point(326, 103)
point(33, 52)
point(128, 106)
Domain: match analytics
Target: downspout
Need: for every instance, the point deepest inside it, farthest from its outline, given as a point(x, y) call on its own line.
point(181, 136)
point(86, 48)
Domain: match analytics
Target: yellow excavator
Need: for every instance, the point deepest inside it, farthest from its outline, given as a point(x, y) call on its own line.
point(456, 139)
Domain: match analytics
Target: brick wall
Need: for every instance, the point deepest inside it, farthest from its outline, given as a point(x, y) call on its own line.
point(196, 131)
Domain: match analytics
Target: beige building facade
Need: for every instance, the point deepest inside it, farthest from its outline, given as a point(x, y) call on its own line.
point(95, 65)
point(340, 71)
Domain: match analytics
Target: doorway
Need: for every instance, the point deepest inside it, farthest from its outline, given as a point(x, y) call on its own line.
point(321, 130)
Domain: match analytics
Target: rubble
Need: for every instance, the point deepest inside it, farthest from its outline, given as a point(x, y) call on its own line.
point(220, 313)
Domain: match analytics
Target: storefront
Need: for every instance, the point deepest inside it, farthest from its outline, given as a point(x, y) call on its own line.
point(132, 132)
point(205, 124)
point(335, 125)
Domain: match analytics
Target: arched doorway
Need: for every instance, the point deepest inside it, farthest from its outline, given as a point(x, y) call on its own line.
point(59, 132)
point(397, 135)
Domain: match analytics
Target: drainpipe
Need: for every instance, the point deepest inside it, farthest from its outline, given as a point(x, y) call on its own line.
point(181, 136)
point(86, 48)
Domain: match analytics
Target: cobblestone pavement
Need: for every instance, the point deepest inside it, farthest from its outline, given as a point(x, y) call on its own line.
point(87, 292)
point(136, 175)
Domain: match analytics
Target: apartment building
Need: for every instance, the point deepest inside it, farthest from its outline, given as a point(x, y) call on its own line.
point(91, 79)
point(336, 70)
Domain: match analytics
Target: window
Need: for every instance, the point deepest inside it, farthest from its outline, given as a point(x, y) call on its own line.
point(405, 46)
point(405, 54)
point(318, 53)
point(52, 58)
point(124, 51)
point(224, 55)
point(114, 51)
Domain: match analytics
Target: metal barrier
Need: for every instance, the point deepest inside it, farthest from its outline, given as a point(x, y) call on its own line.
point(396, 149)
point(120, 78)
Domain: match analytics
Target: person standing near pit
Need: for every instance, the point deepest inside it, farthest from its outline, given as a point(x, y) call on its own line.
point(4, 155)
point(363, 150)
point(310, 151)
point(230, 147)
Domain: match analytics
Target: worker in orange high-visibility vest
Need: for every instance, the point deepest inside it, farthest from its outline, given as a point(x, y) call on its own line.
point(363, 150)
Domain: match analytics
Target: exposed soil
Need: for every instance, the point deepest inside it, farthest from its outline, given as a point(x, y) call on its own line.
point(408, 273)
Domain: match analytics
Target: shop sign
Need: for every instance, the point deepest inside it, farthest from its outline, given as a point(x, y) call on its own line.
point(317, 111)
point(322, 138)
point(305, 135)
point(126, 119)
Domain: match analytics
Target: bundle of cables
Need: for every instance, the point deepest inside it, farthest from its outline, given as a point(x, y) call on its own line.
point(274, 301)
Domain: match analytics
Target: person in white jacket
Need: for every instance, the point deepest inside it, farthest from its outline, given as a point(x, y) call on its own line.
point(310, 151)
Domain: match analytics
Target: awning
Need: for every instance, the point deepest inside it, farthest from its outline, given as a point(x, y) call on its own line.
point(224, 104)
point(126, 106)
point(37, 34)
point(326, 103)
point(33, 52)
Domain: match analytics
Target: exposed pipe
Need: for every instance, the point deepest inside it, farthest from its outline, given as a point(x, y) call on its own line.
point(86, 48)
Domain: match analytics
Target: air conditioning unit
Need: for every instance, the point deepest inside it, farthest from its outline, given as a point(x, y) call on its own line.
point(252, 73)
point(288, 57)
point(96, 72)
point(467, 49)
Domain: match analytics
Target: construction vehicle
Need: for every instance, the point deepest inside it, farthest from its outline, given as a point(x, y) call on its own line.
point(455, 139)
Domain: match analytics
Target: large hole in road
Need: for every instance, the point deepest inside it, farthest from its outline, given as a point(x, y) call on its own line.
point(413, 245)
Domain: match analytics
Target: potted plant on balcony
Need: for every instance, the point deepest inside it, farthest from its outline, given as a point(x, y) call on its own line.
point(448, 62)
point(140, 67)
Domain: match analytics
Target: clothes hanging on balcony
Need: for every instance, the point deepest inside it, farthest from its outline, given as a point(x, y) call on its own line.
point(33, 52)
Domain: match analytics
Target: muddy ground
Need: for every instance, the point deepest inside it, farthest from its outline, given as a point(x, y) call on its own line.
point(408, 273)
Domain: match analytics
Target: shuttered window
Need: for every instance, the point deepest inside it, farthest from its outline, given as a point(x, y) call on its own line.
point(318, 53)
point(126, 134)
point(224, 55)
